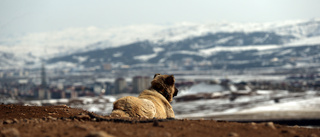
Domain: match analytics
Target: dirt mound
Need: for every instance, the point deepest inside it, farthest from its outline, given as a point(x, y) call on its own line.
point(64, 121)
point(24, 112)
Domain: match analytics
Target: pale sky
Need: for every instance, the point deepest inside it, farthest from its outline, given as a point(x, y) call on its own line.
point(27, 16)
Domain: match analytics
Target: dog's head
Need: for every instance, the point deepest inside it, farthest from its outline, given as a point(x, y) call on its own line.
point(164, 84)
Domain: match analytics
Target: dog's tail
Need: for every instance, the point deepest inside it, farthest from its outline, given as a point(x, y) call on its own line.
point(119, 113)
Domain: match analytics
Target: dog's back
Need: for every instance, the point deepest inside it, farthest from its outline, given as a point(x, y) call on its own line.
point(161, 104)
point(133, 107)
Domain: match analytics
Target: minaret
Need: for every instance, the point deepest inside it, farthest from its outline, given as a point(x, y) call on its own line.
point(43, 77)
point(44, 93)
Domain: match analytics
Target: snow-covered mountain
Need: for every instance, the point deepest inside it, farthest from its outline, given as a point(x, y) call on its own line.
point(248, 50)
point(154, 44)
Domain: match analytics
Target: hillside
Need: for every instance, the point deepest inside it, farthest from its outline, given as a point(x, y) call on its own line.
point(212, 51)
point(179, 46)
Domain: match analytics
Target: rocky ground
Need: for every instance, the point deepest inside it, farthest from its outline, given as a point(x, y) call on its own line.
point(48, 121)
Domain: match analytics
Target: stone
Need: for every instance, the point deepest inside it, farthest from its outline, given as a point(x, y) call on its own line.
point(253, 124)
point(44, 119)
point(233, 134)
point(36, 121)
point(25, 120)
point(8, 121)
point(83, 117)
point(271, 125)
point(67, 119)
point(296, 126)
point(16, 121)
point(155, 123)
point(65, 106)
point(52, 118)
point(99, 134)
point(11, 132)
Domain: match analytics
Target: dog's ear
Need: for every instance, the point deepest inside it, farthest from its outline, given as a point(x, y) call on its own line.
point(155, 75)
point(175, 92)
point(170, 80)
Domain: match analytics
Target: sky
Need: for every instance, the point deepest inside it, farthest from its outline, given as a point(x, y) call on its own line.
point(28, 16)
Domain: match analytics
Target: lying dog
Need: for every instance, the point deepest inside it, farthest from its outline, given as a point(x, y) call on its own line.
point(151, 103)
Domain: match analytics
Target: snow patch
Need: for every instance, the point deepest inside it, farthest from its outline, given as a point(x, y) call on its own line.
point(145, 57)
point(184, 52)
point(158, 49)
point(210, 51)
point(223, 40)
point(118, 54)
point(205, 88)
point(305, 41)
point(285, 52)
point(80, 59)
point(296, 105)
point(257, 40)
point(61, 64)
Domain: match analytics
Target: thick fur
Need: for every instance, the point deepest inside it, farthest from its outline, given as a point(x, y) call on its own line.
point(151, 103)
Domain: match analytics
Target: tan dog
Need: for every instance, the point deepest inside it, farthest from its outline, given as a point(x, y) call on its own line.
point(151, 103)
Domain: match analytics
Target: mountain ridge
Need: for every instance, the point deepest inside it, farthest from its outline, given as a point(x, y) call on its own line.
point(189, 39)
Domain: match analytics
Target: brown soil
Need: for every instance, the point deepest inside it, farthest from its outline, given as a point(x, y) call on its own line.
point(64, 121)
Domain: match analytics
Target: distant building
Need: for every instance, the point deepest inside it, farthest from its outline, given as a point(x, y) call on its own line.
point(140, 83)
point(63, 94)
point(107, 66)
point(73, 94)
point(120, 85)
point(43, 92)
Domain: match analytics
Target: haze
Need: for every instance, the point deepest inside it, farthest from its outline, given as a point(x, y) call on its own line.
point(21, 16)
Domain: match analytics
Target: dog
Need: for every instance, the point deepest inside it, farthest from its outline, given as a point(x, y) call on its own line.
point(151, 103)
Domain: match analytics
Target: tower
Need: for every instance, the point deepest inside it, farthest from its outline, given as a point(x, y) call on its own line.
point(43, 91)
point(43, 77)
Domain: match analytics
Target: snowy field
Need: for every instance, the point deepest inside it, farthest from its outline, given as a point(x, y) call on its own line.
point(269, 103)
